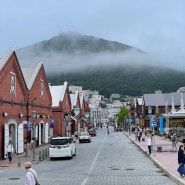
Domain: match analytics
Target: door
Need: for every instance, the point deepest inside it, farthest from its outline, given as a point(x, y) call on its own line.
point(6, 138)
point(40, 134)
point(20, 139)
point(46, 133)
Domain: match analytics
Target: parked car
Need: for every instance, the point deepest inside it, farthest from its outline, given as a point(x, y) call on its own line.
point(62, 147)
point(84, 137)
point(92, 132)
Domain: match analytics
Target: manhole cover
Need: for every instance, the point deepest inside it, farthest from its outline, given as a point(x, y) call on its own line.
point(4, 166)
point(115, 169)
point(129, 169)
point(14, 178)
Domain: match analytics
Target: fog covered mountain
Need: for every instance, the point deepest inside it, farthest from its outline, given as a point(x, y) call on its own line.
point(74, 52)
point(107, 66)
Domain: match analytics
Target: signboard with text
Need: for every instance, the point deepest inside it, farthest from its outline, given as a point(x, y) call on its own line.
point(153, 121)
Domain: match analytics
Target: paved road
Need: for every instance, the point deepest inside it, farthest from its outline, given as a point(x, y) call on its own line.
point(108, 160)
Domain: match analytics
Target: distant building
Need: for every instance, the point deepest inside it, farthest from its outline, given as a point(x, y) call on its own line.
point(181, 90)
point(115, 96)
point(73, 89)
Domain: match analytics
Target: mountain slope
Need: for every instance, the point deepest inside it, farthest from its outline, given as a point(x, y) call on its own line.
point(128, 80)
point(71, 52)
point(98, 64)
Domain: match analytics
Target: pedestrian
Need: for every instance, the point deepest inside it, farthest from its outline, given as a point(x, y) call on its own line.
point(107, 130)
point(139, 134)
point(9, 149)
point(181, 161)
point(173, 140)
point(149, 143)
point(31, 175)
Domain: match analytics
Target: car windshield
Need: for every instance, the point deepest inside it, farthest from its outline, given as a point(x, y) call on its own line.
point(59, 141)
point(84, 134)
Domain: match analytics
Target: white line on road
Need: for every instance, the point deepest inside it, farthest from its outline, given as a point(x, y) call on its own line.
point(85, 180)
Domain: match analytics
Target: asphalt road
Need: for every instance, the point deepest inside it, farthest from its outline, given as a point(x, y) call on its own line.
point(108, 160)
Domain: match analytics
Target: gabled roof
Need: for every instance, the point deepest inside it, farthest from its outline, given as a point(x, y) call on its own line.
point(163, 99)
point(57, 93)
point(30, 74)
point(81, 99)
point(74, 98)
point(5, 57)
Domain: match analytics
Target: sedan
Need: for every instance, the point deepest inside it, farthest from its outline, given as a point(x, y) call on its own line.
point(92, 132)
point(84, 137)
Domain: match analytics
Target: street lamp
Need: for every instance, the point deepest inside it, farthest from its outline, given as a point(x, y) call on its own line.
point(152, 136)
point(34, 116)
point(87, 115)
point(77, 112)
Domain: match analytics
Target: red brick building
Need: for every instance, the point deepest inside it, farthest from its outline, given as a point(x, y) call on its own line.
point(61, 110)
point(21, 93)
point(25, 91)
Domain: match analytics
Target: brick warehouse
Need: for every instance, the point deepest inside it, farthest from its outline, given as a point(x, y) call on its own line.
point(22, 92)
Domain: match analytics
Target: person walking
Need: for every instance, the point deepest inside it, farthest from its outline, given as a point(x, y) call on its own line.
point(31, 175)
point(107, 129)
point(139, 134)
point(9, 149)
point(181, 161)
point(173, 140)
point(149, 143)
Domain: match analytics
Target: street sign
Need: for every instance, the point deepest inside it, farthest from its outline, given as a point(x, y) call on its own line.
point(51, 123)
point(66, 124)
point(29, 125)
point(153, 124)
point(153, 121)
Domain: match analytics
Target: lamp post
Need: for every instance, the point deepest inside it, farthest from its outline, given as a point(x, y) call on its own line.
point(152, 136)
point(135, 116)
point(77, 112)
point(34, 116)
point(87, 115)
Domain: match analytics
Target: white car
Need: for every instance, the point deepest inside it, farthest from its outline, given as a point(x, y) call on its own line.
point(62, 147)
point(84, 137)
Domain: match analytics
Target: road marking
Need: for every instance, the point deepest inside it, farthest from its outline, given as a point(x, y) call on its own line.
point(89, 172)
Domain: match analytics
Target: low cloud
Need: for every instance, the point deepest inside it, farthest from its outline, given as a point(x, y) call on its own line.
point(64, 63)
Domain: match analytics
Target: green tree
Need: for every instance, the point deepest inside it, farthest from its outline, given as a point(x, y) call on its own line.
point(122, 114)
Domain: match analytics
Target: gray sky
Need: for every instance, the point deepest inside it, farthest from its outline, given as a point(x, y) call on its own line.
point(155, 26)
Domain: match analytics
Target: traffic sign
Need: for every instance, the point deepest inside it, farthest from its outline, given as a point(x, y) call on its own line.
point(51, 123)
point(66, 124)
point(153, 124)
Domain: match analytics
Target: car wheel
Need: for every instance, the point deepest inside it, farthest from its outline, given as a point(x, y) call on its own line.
point(51, 158)
point(71, 155)
point(75, 153)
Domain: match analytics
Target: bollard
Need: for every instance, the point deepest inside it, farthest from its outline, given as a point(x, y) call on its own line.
point(43, 154)
point(46, 152)
point(40, 156)
point(27, 157)
point(19, 161)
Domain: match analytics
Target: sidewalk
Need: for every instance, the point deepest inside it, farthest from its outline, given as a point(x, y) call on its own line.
point(18, 160)
point(166, 160)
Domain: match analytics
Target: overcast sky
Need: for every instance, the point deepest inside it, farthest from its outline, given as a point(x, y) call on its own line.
point(155, 26)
